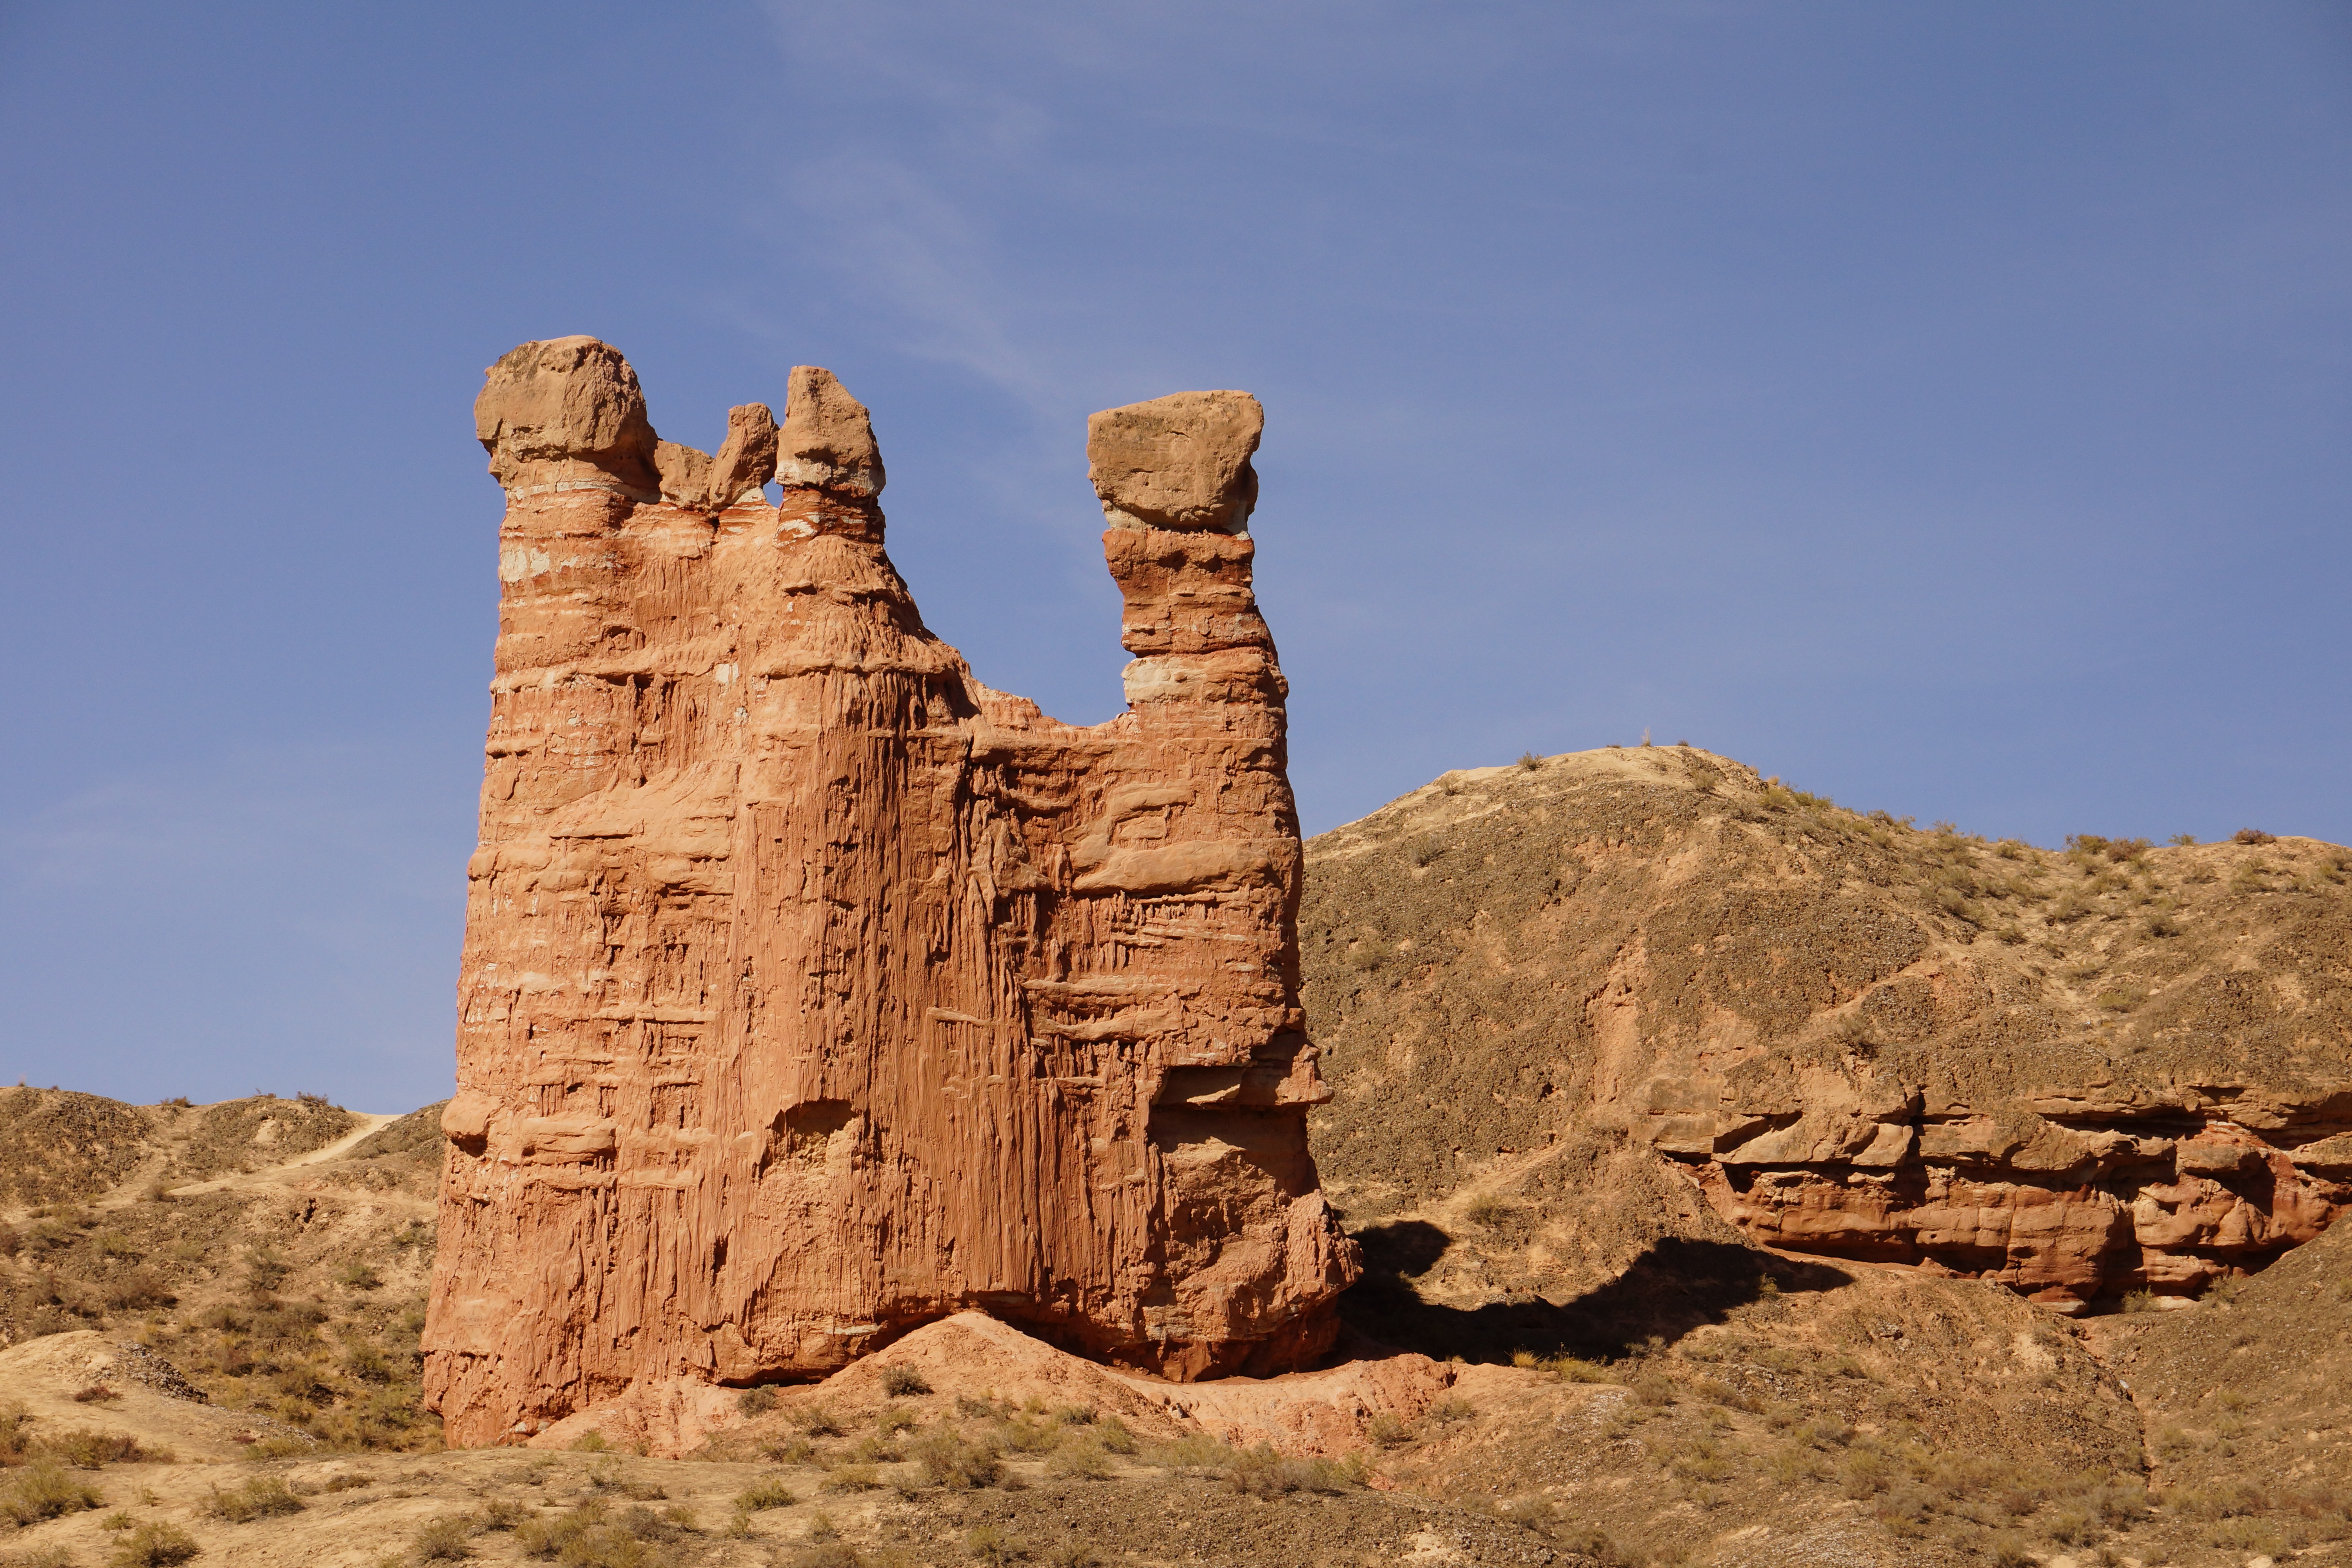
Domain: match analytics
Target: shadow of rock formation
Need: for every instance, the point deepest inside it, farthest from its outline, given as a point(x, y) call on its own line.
point(1676, 1286)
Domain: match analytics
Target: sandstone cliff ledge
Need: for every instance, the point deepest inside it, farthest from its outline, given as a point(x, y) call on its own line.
point(812, 989)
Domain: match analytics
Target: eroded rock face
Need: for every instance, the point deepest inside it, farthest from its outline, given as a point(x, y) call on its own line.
point(812, 989)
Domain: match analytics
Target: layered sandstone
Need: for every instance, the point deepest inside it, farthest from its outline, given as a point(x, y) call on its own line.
point(812, 989)
point(1543, 991)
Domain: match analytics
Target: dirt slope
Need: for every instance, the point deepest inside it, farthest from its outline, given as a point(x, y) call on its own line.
point(1777, 1144)
point(2080, 1074)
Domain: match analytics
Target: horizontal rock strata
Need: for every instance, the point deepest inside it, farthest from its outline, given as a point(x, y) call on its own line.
point(1542, 988)
point(812, 989)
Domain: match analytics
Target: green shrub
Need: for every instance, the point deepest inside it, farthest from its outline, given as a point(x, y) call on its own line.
point(901, 1382)
point(1112, 1434)
point(818, 1421)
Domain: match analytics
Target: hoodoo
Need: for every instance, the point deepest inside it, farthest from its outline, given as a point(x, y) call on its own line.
point(812, 989)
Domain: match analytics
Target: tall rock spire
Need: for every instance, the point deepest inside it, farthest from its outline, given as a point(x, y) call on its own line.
point(812, 989)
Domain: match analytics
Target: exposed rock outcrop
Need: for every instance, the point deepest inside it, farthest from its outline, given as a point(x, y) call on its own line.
point(812, 989)
point(2078, 1073)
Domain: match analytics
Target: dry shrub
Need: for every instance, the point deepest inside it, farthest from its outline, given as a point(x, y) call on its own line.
point(15, 1446)
point(97, 1393)
point(756, 1401)
point(42, 1490)
point(589, 1537)
point(1655, 1388)
point(853, 1478)
point(153, 1545)
point(902, 1382)
point(1086, 1460)
point(260, 1497)
point(818, 1421)
point(86, 1449)
point(443, 1539)
point(826, 1554)
point(1023, 1435)
point(1262, 1472)
point(948, 1460)
point(41, 1557)
point(764, 1495)
point(498, 1514)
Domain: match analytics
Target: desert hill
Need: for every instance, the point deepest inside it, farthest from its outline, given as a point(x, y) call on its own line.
point(2119, 1068)
point(1656, 1087)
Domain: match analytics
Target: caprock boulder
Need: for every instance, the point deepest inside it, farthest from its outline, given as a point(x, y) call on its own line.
point(812, 989)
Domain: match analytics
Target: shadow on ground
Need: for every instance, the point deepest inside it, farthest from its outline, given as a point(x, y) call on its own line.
point(1673, 1288)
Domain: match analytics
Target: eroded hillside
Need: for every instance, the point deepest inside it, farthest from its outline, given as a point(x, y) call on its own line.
point(2080, 1073)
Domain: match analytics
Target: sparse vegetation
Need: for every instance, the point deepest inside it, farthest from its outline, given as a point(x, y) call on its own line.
point(154, 1544)
point(901, 1381)
point(43, 1489)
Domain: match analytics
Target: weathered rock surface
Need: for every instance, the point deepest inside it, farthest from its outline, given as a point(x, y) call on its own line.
point(2076, 1074)
point(812, 989)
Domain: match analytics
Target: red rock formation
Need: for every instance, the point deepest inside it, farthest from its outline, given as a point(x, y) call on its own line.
point(2063, 1196)
point(812, 989)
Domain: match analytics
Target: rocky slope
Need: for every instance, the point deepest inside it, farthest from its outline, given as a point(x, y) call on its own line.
point(1647, 974)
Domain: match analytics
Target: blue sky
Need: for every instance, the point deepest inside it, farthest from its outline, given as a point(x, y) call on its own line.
point(1944, 407)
